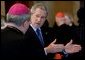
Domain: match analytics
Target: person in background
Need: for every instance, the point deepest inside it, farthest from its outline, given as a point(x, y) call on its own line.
point(36, 38)
point(12, 35)
point(64, 31)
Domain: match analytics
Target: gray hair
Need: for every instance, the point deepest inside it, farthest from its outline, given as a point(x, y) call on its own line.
point(38, 5)
point(18, 19)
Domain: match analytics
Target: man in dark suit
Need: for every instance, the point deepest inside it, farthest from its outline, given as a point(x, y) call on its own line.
point(12, 34)
point(34, 37)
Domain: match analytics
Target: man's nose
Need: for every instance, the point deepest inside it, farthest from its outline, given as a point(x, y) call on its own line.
point(39, 19)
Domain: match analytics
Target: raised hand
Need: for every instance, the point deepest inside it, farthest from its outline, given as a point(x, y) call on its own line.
point(72, 48)
point(53, 48)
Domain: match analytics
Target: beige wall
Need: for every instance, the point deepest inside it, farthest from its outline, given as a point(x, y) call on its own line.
point(3, 8)
point(75, 9)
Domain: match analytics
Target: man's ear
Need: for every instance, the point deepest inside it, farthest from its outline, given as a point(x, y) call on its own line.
point(26, 23)
point(23, 24)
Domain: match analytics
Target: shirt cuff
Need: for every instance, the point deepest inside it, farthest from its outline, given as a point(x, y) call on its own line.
point(45, 51)
point(65, 53)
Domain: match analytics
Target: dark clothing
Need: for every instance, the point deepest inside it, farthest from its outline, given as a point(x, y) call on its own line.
point(11, 41)
point(15, 44)
point(36, 50)
point(64, 34)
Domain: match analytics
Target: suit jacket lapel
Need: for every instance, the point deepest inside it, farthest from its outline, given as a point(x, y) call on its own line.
point(33, 33)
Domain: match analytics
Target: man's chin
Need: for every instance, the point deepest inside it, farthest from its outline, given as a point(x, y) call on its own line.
point(37, 26)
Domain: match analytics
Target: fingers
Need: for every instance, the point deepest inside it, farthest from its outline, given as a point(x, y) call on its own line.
point(77, 47)
point(73, 48)
point(71, 41)
point(53, 41)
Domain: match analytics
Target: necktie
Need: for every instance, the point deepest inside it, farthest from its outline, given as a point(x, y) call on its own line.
point(40, 36)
